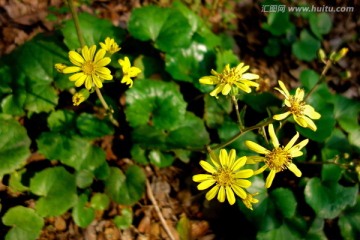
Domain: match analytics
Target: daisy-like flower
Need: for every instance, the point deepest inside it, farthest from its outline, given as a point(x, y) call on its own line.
point(225, 173)
point(231, 79)
point(128, 71)
point(302, 112)
point(278, 159)
point(249, 200)
point(89, 67)
point(110, 45)
point(80, 96)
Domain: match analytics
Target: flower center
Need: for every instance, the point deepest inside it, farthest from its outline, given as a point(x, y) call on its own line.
point(229, 76)
point(224, 177)
point(278, 159)
point(297, 107)
point(88, 68)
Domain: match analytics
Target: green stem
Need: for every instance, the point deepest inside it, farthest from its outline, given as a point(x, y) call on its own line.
point(106, 106)
point(245, 130)
point(76, 22)
point(321, 78)
point(234, 100)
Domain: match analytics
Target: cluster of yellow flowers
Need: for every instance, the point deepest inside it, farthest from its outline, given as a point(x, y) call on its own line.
point(225, 171)
point(89, 68)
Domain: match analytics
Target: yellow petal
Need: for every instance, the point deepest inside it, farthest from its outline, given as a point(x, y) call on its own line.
point(270, 178)
point(207, 166)
point(243, 183)
point(243, 87)
point(256, 147)
point(97, 81)
point(211, 80)
point(134, 71)
point(102, 62)
point(125, 64)
point(71, 69)
point(310, 111)
point(201, 177)
point(86, 53)
point(239, 191)
point(224, 158)
point(281, 116)
point(291, 143)
point(206, 184)
point(310, 123)
point(300, 145)
point(249, 83)
point(80, 81)
point(282, 86)
point(260, 170)
point(76, 76)
point(88, 83)
point(217, 90)
point(292, 167)
point(76, 58)
point(212, 193)
point(239, 163)
point(226, 89)
point(221, 194)
point(299, 94)
point(301, 121)
point(254, 159)
point(240, 69)
point(273, 137)
point(244, 173)
point(99, 58)
point(250, 76)
point(232, 156)
point(92, 51)
point(230, 195)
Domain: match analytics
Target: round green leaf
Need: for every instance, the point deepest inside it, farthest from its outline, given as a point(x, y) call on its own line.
point(93, 127)
point(216, 110)
point(306, 48)
point(154, 102)
point(349, 222)
point(329, 200)
point(124, 221)
point(67, 150)
point(25, 222)
point(309, 78)
point(346, 112)
point(15, 183)
point(14, 146)
point(81, 214)
point(84, 178)
point(285, 201)
point(138, 154)
point(331, 173)
point(100, 201)
point(57, 189)
point(320, 24)
point(126, 188)
point(277, 23)
point(273, 47)
point(160, 159)
point(93, 29)
point(285, 231)
point(62, 121)
point(167, 27)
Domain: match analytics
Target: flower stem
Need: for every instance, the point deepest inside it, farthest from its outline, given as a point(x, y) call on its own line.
point(328, 64)
point(235, 102)
point(76, 22)
point(106, 106)
point(245, 130)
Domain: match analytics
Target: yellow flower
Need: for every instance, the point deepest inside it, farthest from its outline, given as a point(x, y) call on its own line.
point(231, 79)
point(225, 173)
point(80, 96)
point(302, 112)
point(279, 158)
point(249, 200)
point(110, 45)
point(60, 67)
point(128, 71)
point(89, 67)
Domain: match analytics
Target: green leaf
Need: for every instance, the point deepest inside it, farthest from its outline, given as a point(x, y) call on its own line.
point(260, 102)
point(160, 159)
point(309, 78)
point(14, 146)
point(346, 112)
point(336, 145)
point(320, 24)
point(331, 173)
point(167, 27)
point(62, 121)
point(100, 201)
point(81, 214)
point(25, 222)
point(285, 231)
point(277, 23)
point(57, 189)
point(285, 201)
point(328, 200)
point(349, 222)
point(6, 78)
point(273, 47)
point(224, 57)
point(72, 151)
point(183, 227)
point(126, 188)
point(15, 183)
point(93, 29)
point(138, 154)
point(306, 48)
point(216, 110)
point(102, 172)
point(354, 138)
point(124, 221)
point(93, 127)
point(84, 178)
point(40, 98)
point(156, 103)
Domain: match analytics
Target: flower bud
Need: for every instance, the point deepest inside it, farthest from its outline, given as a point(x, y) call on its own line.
point(80, 96)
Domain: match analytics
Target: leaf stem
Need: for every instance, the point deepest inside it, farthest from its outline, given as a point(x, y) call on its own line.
point(235, 102)
point(109, 111)
point(76, 22)
point(328, 64)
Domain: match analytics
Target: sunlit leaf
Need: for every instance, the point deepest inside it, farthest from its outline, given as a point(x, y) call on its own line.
point(82, 214)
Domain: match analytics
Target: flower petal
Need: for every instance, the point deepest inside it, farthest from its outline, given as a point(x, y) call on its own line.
point(76, 76)
point(211, 80)
point(231, 157)
point(212, 193)
point(88, 82)
point(201, 177)
point(243, 183)
point(80, 81)
point(71, 69)
point(76, 58)
point(273, 137)
point(239, 191)
point(301, 121)
point(310, 111)
point(291, 143)
point(281, 116)
point(221, 194)
point(254, 159)
point(206, 184)
point(246, 173)
point(310, 123)
point(134, 71)
point(250, 76)
point(292, 167)
point(260, 170)
point(282, 86)
point(99, 58)
point(224, 158)
point(270, 178)
point(226, 89)
point(230, 195)
point(256, 147)
point(207, 166)
point(239, 163)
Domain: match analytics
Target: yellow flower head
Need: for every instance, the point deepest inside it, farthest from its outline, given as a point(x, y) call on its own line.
point(110, 45)
point(231, 78)
point(60, 67)
point(279, 158)
point(302, 112)
point(128, 71)
point(89, 67)
point(225, 173)
point(80, 96)
point(249, 200)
